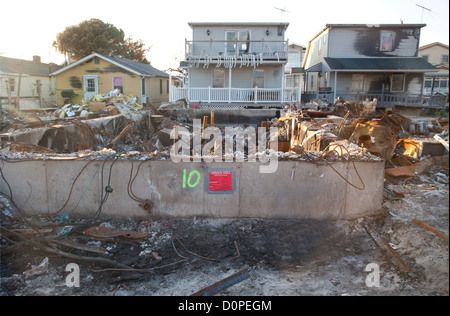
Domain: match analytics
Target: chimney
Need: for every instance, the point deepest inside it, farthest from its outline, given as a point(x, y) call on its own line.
point(36, 59)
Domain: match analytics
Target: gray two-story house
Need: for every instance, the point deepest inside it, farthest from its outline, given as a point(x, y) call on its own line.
point(360, 61)
point(236, 65)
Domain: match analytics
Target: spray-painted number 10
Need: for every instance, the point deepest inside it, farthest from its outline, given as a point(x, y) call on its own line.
point(188, 179)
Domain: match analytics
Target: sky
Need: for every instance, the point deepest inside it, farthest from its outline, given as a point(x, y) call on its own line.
point(29, 27)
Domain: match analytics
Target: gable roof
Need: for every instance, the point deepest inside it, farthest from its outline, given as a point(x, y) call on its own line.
point(132, 66)
point(433, 44)
point(400, 26)
point(14, 66)
point(415, 64)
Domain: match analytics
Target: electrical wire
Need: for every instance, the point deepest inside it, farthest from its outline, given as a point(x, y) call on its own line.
point(108, 188)
point(9, 187)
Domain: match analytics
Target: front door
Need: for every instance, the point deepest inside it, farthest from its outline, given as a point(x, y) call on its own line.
point(90, 84)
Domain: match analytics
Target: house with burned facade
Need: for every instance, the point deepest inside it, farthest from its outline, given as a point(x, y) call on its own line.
point(229, 65)
point(362, 61)
point(26, 84)
point(100, 74)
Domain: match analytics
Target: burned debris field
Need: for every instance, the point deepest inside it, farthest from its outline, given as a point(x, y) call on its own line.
point(102, 226)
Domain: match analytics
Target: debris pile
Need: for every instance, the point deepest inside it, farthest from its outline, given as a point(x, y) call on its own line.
point(99, 105)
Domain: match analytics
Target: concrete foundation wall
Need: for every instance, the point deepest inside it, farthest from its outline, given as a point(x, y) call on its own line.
point(296, 190)
point(230, 117)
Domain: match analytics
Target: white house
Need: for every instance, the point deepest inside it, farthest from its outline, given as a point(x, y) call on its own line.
point(26, 83)
point(231, 65)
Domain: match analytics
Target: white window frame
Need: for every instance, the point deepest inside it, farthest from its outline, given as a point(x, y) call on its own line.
point(391, 44)
point(263, 78)
point(229, 53)
point(123, 83)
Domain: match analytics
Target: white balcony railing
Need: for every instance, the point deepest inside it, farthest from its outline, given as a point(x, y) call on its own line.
point(236, 95)
point(214, 50)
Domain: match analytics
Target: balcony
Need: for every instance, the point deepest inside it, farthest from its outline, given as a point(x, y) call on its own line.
point(237, 52)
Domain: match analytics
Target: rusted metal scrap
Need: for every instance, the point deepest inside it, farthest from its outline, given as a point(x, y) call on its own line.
point(386, 249)
point(418, 168)
point(430, 228)
point(119, 137)
point(223, 284)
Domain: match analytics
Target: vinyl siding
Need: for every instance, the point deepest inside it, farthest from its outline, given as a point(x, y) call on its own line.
point(365, 42)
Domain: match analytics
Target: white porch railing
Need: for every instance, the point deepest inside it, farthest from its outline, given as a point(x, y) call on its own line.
point(236, 95)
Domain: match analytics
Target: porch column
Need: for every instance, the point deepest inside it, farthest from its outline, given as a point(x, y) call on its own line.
point(283, 78)
point(170, 88)
point(189, 85)
point(229, 85)
point(300, 83)
point(335, 86)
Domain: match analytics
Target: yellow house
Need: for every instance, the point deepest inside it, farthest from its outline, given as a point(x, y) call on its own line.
point(100, 74)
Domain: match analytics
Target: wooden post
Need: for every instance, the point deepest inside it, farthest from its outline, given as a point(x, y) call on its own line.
point(212, 118)
point(205, 122)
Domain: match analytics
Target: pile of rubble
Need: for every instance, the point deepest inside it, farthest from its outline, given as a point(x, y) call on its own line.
point(100, 105)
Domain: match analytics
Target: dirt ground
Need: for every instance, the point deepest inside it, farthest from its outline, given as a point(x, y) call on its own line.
point(283, 257)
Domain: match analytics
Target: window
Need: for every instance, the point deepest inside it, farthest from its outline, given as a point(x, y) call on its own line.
point(258, 78)
point(438, 83)
point(294, 58)
point(117, 83)
point(38, 87)
point(444, 59)
point(96, 61)
point(241, 38)
point(90, 85)
point(398, 81)
point(160, 86)
point(425, 57)
point(358, 82)
point(387, 41)
point(218, 80)
point(167, 86)
point(12, 85)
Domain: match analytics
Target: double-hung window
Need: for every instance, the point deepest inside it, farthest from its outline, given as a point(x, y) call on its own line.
point(358, 82)
point(387, 41)
point(398, 82)
point(218, 80)
point(258, 78)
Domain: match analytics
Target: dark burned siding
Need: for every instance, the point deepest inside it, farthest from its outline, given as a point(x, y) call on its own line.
point(366, 42)
point(373, 82)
